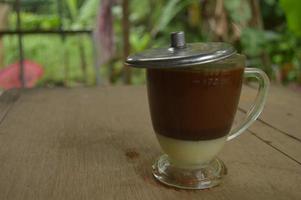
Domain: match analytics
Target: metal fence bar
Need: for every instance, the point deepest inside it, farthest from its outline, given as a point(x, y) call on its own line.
point(20, 33)
point(27, 3)
point(31, 32)
point(20, 43)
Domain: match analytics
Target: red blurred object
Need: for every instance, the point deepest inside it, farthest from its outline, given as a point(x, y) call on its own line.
point(9, 76)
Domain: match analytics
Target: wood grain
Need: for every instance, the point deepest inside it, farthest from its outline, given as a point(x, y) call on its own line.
point(98, 143)
point(282, 111)
point(286, 145)
point(7, 100)
point(278, 125)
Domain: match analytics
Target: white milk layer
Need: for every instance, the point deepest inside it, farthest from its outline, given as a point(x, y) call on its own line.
point(185, 153)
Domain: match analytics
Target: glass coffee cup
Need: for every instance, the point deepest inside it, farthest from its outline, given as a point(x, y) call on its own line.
point(193, 92)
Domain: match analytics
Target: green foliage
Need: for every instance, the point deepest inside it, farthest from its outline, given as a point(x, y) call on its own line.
point(72, 6)
point(48, 50)
point(87, 13)
point(238, 11)
point(253, 41)
point(169, 11)
point(32, 21)
point(142, 10)
point(139, 41)
point(292, 9)
point(270, 2)
point(81, 14)
point(277, 48)
point(285, 53)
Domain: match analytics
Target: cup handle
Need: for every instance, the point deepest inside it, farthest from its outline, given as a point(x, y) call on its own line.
point(258, 105)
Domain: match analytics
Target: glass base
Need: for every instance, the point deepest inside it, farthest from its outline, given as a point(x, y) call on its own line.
point(197, 177)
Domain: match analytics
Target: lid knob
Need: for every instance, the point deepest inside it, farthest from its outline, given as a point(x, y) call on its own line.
point(177, 40)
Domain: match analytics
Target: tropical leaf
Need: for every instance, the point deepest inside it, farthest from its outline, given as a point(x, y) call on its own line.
point(88, 11)
point(72, 7)
point(253, 41)
point(140, 10)
point(139, 41)
point(169, 11)
point(292, 10)
point(238, 10)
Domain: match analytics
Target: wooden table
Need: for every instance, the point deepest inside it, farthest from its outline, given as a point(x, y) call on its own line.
point(98, 143)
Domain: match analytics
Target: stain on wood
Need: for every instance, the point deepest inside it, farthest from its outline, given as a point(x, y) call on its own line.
point(131, 154)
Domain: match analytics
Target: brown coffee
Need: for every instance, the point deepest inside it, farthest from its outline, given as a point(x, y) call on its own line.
point(193, 104)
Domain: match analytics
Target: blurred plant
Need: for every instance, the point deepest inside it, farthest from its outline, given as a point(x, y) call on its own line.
point(285, 53)
point(291, 45)
point(168, 13)
point(267, 31)
point(292, 10)
point(76, 14)
point(150, 20)
point(31, 21)
point(47, 51)
point(81, 14)
point(239, 12)
point(253, 41)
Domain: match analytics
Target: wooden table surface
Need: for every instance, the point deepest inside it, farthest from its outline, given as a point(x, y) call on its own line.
point(98, 143)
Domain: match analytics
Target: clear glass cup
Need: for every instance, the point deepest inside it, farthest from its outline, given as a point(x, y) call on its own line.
point(192, 111)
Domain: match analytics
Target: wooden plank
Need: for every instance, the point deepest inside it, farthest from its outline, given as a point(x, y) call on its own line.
point(282, 111)
point(278, 125)
point(7, 100)
point(286, 145)
point(97, 143)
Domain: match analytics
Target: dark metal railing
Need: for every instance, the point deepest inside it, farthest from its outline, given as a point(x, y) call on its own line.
point(19, 32)
point(38, 31)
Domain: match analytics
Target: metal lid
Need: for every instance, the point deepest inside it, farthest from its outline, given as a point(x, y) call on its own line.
point(180, 54)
